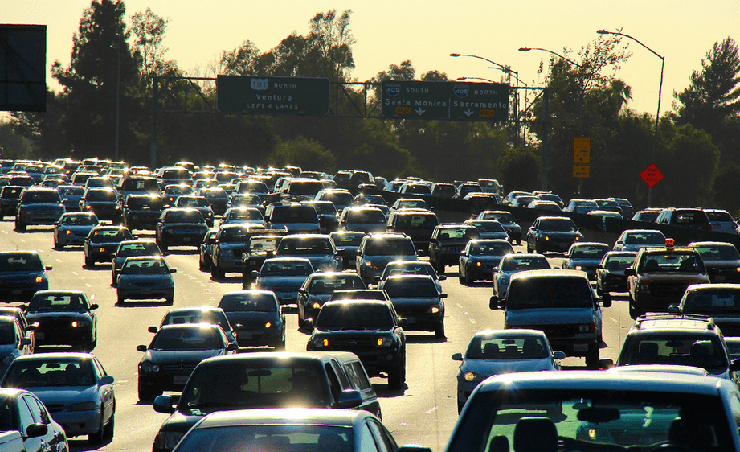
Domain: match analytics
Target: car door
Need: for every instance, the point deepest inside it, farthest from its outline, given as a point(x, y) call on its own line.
point(107, 396)
point(30, 413)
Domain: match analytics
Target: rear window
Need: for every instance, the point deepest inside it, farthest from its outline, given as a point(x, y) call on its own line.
point(302, 214)
point(140, 185)
point(20, 262)
point(328, 284)
point(390, 247)
point(558, 225)
point(418, 221)
point(703, 351)
point(187, 339)
point(305, 188)
point(262, 302)
point(712, 301)
point(184, 217)
point(690, 217)
point(410, 288)
point(719, 216)
point(369, 216)
point(144, 203)
point(346, 316)
point(31, 197)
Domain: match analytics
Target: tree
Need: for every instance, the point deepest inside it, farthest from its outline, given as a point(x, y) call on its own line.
point(149, 30)
point(519, 168)
point(726, 188)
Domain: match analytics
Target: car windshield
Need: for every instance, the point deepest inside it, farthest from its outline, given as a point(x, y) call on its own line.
point(192, 201)
point(347, 316)
point(54, 372)
point(197, 316)
point(79, 220)
point(703, 351)
point(508, 347)
point(145, 267)
point(247, 214)
point(301, 214)
point(564, 225)
point(672, 262)
point(110, 235)
point(409, 268)
point(306, 187)
point(599, 419)
point(323, 285)
point(17, 262)
point(184, 217)
point(368, 216)
point(259, 302)
point(57, 302)
point(644, 238)
point(502, 218)
point(712, 301)
point(286, 268)
point(347, 239)
point(417, 221)
point(718, 252)
point(256, 383)
point(618, 262)
point(410, 288)
point(457, 233)
point(138, 249)
point(390, 247)
point(195, 338)
point(536, 293)
point(491, 248)
point(589, 251)
point(239, 234)
point(299, 246)
point(488, 226)
point(289, 437)
point(515, 263)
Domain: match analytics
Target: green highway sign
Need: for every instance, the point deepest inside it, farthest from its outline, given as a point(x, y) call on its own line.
point(445, 100)
point(272, 95)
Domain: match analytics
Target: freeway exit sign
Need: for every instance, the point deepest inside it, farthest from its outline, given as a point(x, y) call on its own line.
point(272, 95)
point(445, 100)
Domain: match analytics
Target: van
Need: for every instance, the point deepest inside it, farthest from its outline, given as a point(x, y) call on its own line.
point(266, 380)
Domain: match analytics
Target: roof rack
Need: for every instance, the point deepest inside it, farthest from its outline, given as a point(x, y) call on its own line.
point(667, 316)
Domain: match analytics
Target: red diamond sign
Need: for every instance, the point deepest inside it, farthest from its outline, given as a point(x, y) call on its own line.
point(651, 175)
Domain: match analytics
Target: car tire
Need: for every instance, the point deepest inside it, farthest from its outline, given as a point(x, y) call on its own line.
point(592, 357)
point(460, 277)
point(397, 377)
point(109, 429)
point(162, 245)
point(529, 250)
point(19, 226)
point(216, 273)
point(468, 279)
point(58, 246)
point(120, 299)
point(99, 436)
point(439, 331)
point(147, 393)
point(89, 262)
point(633, 310)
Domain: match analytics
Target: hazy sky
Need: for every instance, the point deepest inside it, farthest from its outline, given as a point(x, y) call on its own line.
point(426, 32)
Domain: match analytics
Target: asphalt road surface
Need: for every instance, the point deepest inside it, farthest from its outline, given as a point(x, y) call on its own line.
point(424, 412)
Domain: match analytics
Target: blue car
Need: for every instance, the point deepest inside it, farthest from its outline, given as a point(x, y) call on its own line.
point(146, 278)
point(73, 228)
point(22, 274)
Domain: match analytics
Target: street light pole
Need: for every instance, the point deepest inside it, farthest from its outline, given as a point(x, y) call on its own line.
point(660, 93)
point(118, 95)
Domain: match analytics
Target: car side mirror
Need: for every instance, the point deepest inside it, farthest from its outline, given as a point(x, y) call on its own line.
point(93, 307)
point(606, 300)
point(457, 357)
point(599, 266)
point(141, 348)
point(349, 398)
point(255, 274)
point(48, 267)
point(443, 295)
point(442, 277)
point(163, 404)
point(173, 270)
point(558, 355)
point(493, 303)
point(674, 309)
point(36, 430)
point(107, 380)
point(153, 329)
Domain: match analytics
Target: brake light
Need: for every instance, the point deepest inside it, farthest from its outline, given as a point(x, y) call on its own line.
point(669, 243)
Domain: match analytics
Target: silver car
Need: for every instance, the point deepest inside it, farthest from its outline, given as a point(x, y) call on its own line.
point(511, 264)
point(73, 228)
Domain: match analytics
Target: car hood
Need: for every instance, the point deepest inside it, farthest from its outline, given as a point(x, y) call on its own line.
point(51, 395)
point(548, 316)
point(180, 356)
point(250, 318)
point(487, 367)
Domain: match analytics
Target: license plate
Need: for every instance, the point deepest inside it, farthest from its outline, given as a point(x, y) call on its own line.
point(180, 379)
point(580, 347)
point(186, 239)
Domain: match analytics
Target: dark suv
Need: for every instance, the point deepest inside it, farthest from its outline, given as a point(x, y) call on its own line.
point(180, 226)
point(103, 202)
point(142, 211)
point(447, 241)
point(552, 234)
point(369, 328)
point(687, 217)
point(376, 250)
point(38, 206)
point(9, 200)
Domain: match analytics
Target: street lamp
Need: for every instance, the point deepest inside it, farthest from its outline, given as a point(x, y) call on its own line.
point(580, 100)
point(660, 93)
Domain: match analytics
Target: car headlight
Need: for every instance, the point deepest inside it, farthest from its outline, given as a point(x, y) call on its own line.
point(435, 309)
point(167, 440)
point(68, 232)
point(320, 342)
point(83, 406)
point(148, 367)
point(383, 341)
point(472, 376)
point(39, 279)
point(316, 305)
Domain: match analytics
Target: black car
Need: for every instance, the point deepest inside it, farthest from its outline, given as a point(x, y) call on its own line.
point(38, 206)
point(63, 317)
point(370, 329)
point(180, 227)
point(205, 249)
point(9, 200)
point(256, 318)
point(103, 241)
point(22, 274)
point(173, 354)
point(552, 234)
point(721, 260)
point(446, 243)
point(71, 196)
point(131, 248)
point(142, 211)
point(610, 275)
point(103, 202)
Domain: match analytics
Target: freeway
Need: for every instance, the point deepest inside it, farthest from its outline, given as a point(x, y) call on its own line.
point(424, 412)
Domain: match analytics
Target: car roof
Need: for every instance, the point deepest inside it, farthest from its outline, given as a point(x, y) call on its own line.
point(277, 356)
point(549, 273)
point(508, 333)
point(688, 324)
point(314, 416)
point(54, 356)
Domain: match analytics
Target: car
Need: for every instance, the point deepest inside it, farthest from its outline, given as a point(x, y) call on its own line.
point(180, 226)
point(317, 248)
point(562, 304)
point(497, 352)
point(22, 274)
point(313, 429)
point(369, 328)
point(411, 268)
point(227, 250)
point(103, 202)
point(142, 211)
point(264, 380)
point(243, 215)
point(377, 250)
point(9, 198)
point(489, 229)
point(317, 289)
point(602, 411)
point(479, 257)
point(38, 206)
point(327, 212)
point(132, 248)
point(552, 233)
point(721, 259)
point(585, 256)
point(217, 199)
point(102, 242)
point(508, 222)
point(74, 386)
point(610, 275)
point(583, 206)
point(256, 317)
point(509, 265)
point(416, 299)
point(246, 200)
point(678, 339)
point(63, 317)
point(19, 313)
point(303, 189)
point(659, 277)
point(174, 191)
point(446, 243)
point(636, 239)
point(721, 221)
point(73, 228)
point(720, 301)
point(198, 314)
point(294, 218)
point(26, 423)
point(365, 219)
point(685, 217)
point(199, 203)
point(409, 203)
point(174, 352)
point(14, 341)
point(348, 242)
point(284, 276)
point(204, 250)
point(259, 248)
point(648, 215)
point(145, 277)
point(416, 224)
